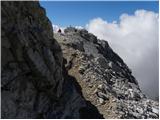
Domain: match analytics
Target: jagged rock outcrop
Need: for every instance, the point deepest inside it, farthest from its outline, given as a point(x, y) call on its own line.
point(34, 83)
point(105, 79)
point(87, 81)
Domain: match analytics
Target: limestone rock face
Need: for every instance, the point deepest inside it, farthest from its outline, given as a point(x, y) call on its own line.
point(105, 79)
point(80, 78)
point(32, 82)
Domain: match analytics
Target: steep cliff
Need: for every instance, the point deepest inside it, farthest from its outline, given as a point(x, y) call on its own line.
point(34, 83)
point(87, 80)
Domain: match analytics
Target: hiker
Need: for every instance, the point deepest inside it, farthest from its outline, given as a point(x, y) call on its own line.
point(59, 31)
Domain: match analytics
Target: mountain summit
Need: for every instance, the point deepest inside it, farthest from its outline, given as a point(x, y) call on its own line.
point(63, 75)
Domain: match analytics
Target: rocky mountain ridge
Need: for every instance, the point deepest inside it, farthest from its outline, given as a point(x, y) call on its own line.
point(105, 79)
point(77, 77)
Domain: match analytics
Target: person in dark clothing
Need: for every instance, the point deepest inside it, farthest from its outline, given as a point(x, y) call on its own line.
point(59, 31)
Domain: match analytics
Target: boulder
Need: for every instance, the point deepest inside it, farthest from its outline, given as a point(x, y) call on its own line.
point(81, 69)
point(101, 101)
point(102, 62)
point(114, 67)
point(103, 96)
point(155, 110)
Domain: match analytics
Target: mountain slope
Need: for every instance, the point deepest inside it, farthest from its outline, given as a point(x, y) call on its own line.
point(105, 79)
point(87, 80)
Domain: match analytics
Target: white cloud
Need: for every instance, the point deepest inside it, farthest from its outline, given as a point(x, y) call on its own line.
point(135, 39)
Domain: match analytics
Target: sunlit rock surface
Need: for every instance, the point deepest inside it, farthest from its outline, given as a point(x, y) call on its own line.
point(105, 79)
point(80, 78)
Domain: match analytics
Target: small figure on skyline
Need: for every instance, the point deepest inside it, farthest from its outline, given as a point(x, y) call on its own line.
point(59, 31)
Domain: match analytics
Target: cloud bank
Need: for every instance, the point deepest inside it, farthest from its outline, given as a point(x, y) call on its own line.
point(135, 39)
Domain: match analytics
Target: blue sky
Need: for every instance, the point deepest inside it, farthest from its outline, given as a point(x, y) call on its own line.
point(80, 13)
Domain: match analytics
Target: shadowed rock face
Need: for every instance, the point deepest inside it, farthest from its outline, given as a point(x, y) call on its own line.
point(88, 80)
point(34, 84)
point(31, 61)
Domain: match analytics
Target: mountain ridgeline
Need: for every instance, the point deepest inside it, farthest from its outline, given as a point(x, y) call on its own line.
point(63, 75)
